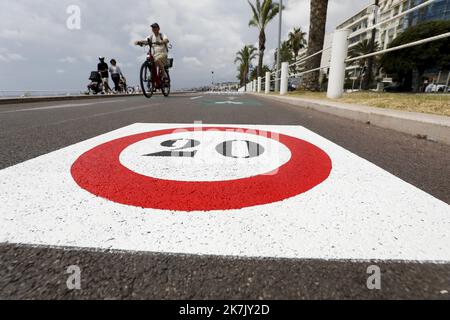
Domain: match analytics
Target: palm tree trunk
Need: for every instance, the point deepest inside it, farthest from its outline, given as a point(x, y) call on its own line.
point(245, 77)
point(262, 48)
point(295, 60)
point(368, 77)
point(318, 19)
point(260, 62)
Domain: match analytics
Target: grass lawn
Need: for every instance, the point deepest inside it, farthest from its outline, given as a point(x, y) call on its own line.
point(425, 103)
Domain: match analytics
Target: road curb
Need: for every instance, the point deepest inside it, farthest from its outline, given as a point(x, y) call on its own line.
point(58, 98)
point(21, 100)
point(429, 126)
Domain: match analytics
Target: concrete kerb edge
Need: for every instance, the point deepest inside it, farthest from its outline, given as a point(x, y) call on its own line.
point(419, 125)
point(20, 100)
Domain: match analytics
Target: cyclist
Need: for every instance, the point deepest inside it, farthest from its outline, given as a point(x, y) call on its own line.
point(102, 68)
point(160, 43)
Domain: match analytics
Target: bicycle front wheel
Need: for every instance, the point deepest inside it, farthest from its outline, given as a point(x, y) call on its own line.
point(165, 87)
point(146, 80)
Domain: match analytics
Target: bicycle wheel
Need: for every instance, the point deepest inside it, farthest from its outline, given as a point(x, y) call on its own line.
point(165, 87)
point(146, 80)
point(130, 90)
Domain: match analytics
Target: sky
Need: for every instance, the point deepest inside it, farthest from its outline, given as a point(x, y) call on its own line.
point(43, 47)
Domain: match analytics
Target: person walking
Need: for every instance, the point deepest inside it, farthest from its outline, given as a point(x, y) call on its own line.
point(116, 74)
point(102, 68)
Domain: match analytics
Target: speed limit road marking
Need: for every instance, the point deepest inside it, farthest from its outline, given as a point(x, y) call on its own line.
point(226, 158)
point(230, 190)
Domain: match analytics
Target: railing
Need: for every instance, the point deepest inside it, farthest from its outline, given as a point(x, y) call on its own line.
point(408, 45)
point(339, 59)
point(379, 24)
point(257, 85)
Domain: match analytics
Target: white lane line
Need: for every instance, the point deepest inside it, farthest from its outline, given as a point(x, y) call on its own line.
point(361, 212)
point(229, 102)
point(84, 117)
point(195, 98)
point(107, 113)
point(61, 106)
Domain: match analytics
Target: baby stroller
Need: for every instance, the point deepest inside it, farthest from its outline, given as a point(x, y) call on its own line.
point(96, 85)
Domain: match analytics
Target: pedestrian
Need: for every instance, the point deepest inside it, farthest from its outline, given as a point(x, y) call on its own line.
point(116, 74)
point(102, 68)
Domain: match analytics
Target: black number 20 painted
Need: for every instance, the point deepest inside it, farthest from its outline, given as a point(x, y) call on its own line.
point(225, 148)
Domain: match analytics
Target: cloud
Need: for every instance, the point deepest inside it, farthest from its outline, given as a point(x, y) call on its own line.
point(192, 61)
point(206, 30)
point(10, 34)
point(269, 57)
point(6, 56)
point(205, 34)
point(68, 60)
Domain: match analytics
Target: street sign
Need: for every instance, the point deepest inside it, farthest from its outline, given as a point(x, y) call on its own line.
point(228, 190)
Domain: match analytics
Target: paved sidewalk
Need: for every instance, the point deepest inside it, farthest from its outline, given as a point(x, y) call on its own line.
point(429, 126)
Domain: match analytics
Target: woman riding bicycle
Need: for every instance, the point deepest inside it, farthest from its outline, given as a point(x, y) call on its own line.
point(160, 44)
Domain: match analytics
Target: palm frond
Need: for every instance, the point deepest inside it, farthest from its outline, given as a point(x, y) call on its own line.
point(255, 14)
point(266, 7)
point(253, 23)
point(273, 13)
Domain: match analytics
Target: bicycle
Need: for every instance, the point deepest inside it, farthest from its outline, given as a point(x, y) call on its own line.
point(151, 80)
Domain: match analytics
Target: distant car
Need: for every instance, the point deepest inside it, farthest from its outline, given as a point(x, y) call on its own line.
point(438, 88)
point(394, 87)
point(293, 84)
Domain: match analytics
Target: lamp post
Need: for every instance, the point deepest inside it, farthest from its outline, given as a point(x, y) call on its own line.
point(280, 23)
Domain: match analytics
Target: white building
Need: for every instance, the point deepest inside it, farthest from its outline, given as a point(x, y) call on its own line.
point(387, 32)
point(365, 18)
point(326, 54)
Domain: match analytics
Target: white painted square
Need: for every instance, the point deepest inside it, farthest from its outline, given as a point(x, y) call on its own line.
point(360, 212)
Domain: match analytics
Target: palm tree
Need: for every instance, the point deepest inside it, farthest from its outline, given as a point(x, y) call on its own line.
point(245, 57)
point(286, 53)
point(318, 19)
point(372, 43)
point(240, 76)
point(262, 15)
point(254, 73)
point(362, 48)
point(297, 41)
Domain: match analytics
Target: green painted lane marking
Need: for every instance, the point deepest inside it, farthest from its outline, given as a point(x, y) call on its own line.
point(231, 102)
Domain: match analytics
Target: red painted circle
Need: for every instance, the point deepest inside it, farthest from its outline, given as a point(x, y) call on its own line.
point(100, 172)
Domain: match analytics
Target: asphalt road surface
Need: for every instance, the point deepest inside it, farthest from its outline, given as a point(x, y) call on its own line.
point(37, 272)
